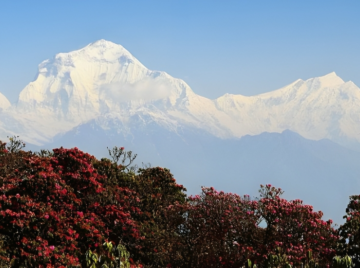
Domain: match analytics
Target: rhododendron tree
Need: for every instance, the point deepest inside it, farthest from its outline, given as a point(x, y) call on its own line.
point(53, 209)
point(350, 230)
point(156, 189)
point(65, 208)
point(217, 229)
point(294, 229)
point(222, 230)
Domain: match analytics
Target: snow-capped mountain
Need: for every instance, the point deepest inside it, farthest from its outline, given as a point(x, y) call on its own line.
point(103, 81)
point(101, 95)
point(318, 108)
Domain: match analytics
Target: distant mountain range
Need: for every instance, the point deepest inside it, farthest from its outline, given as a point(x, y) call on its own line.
point(304, 137)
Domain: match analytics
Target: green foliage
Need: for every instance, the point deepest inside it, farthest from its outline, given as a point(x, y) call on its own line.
point(156, 190)
point(44, 153)
point(277, 260)
point(125, 158)
point(113, 257)
point(15, 144)
point(350, 231)
point(249, 264)
point(310, 262)
point(342, 262)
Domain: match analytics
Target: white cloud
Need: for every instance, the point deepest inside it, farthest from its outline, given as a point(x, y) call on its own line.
point(145, 90)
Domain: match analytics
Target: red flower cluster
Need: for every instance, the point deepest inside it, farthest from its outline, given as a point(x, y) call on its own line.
point(217, 229)
point(53, 209)
point(294, 229)
point(221, 229)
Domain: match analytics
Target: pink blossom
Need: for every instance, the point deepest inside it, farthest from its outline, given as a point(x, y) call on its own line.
point(80, 214)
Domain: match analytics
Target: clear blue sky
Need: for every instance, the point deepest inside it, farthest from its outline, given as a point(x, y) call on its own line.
point(240, 47)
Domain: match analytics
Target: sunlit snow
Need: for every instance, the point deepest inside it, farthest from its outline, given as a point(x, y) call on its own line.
point(103, 79)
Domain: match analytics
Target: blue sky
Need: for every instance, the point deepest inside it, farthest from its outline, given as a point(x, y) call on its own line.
point(217, 47)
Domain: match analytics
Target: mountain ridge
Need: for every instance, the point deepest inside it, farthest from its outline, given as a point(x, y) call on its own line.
point(300, 166)
point(293, 137)
point(104, 78)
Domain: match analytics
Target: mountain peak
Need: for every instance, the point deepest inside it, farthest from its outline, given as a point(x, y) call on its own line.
point(102, 43)
point(100, 50)
point(331, 79)
point(104, 78)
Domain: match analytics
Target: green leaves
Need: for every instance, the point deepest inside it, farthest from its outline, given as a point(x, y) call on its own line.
point(342, 262)
point(125, 158)
point(91, 259)
point(249, 264)
point(111, 258)
point(15, 144)
point(350, 231)
point(276, 261)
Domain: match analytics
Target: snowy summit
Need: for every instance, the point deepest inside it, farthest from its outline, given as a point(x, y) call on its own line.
point(104, 80)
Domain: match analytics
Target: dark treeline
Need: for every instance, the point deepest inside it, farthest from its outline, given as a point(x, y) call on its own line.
point(65, 208)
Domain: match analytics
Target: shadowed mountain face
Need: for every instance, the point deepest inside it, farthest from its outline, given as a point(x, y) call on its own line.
point(322, 173)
